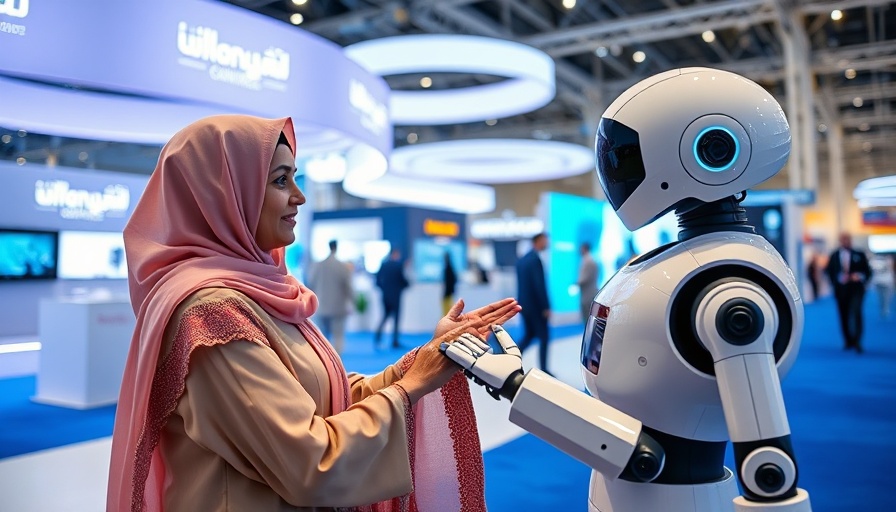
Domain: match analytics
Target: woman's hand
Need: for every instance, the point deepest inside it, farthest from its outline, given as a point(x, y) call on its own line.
point(478, 321)
point(431, 369)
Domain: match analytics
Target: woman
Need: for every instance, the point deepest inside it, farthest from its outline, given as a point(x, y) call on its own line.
point(231, 398)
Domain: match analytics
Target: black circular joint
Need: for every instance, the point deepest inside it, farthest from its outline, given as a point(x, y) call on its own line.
point(740, 321)
point(770, 478)
point(716, 148)
point(645, 466)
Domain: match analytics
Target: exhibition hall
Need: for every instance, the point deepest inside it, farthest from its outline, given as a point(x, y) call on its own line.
point(296, 254)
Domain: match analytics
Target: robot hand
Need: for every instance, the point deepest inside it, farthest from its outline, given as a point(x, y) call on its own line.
point(500, 373)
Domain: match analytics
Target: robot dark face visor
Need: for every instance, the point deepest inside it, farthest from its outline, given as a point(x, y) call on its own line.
point(620, 167)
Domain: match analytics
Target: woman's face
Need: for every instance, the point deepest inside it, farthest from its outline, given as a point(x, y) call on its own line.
point(282, 199)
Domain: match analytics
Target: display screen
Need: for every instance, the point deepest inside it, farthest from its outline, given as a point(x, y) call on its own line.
point(92, 255)
point(27, 254)
point(573, 220)
point(768, 220)
point(429, 259)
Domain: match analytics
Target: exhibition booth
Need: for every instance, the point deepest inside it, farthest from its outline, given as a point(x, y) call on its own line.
point(63, 279)
point(136, 73)
point(423, 237)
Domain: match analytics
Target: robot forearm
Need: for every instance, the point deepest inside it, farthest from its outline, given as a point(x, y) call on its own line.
point(585, 428)
point(589, 430)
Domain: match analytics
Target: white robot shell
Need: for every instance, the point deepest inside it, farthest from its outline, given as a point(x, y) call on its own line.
point(729, 135)
point(640, 370)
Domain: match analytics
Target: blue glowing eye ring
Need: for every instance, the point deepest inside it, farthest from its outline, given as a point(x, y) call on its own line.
point(700, 161)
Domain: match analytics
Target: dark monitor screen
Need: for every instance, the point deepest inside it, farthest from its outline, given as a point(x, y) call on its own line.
point(27, 254)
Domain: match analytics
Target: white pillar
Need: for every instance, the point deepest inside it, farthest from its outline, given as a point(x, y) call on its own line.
point(791, 81)
point(806, 84)
point(837, 169)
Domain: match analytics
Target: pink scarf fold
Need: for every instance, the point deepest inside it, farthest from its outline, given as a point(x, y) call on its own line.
point(193, 228)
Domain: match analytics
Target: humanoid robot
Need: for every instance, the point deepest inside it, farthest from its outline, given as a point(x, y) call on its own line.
point(685, 345)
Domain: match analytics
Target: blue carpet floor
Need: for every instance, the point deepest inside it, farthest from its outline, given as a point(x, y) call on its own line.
point(841, 407)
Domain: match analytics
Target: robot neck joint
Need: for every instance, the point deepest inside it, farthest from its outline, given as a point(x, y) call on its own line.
point(721, 215)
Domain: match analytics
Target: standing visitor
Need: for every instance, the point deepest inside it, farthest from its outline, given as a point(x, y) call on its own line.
point(331, 279)
point(391, 281)
point(849, 272)
point(533, 297)
point(449, 284)
point(587, 280)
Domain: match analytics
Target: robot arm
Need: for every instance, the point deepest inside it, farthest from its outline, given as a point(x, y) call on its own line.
point(736, 321)
point(582, 426)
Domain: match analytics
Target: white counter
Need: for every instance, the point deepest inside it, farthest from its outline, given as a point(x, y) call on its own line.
point(84, 345)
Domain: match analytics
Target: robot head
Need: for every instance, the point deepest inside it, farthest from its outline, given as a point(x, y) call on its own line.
point(686, 137)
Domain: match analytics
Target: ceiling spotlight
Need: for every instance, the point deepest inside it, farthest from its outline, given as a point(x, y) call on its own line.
point(836, 15)
point(6, 138)
point(296, 18)
point(82, 156)
point(22, 133)
point(639, 56)
point(864, 127)
point(822, 127)
point(569, 4)
point(867, 147)
point(412, 138)
point(849, 74)
point(299, 2)
point(601, 51)
point(857, 102)
point(709, 36)
point(491, 122)
point(426, 82)
point(21, 160)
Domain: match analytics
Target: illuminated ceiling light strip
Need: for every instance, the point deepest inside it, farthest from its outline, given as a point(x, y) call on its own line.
point(882, 202)
point(876, 192)
point(14, 348)
point(492, 160)
point(529, 85)
point(457, 197)
point(327, 168)
point(879, 182)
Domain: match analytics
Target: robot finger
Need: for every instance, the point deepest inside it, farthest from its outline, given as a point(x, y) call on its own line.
point(506, 342)
point(472, 345)
point(479, 343)
point(459, 353)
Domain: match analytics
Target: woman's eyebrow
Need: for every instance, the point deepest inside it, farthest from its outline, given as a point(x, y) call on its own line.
point(285, 167)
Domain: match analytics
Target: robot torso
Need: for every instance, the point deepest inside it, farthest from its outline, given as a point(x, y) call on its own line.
point(640, 353)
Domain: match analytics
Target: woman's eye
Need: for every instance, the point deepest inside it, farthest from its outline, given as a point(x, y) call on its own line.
point(281, 181)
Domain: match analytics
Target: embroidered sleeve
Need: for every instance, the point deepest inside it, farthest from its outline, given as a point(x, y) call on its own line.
point(205, 323)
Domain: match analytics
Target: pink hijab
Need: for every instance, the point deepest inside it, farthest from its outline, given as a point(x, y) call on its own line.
point(194, 228)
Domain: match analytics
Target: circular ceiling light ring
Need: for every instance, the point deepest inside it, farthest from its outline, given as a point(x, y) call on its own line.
point(530, 82)
point(492, 161)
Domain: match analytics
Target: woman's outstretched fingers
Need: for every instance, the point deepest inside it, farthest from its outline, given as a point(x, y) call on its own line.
point(455, 312)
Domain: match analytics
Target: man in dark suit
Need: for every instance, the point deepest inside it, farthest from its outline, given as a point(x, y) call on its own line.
point(533, 297)
point(391, 281)
point(849, 272)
